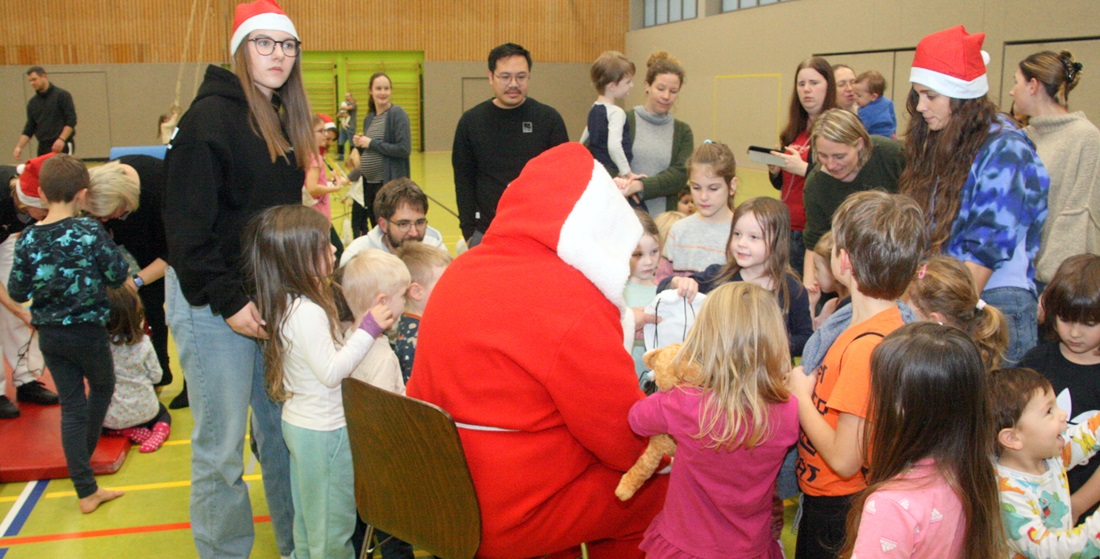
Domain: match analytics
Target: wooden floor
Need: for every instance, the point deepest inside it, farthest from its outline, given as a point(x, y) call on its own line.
point(41, 520)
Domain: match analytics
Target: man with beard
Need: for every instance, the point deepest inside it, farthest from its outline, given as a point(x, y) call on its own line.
point(400, 206)
point(496, 138)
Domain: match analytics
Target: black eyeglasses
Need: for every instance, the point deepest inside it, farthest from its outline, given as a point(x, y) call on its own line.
point(266, 45)
point(405, 224)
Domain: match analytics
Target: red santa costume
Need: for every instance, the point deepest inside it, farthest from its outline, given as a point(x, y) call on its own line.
point(522, 344)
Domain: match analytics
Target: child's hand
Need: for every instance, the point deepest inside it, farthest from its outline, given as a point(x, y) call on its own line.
point(827, 310)
point(382, 316)
point(800, 384)
point(641, 318)
point(813, 291)
point(685, 287)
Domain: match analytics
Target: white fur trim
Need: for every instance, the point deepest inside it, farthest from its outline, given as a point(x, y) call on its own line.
point(32, 201)
point(600, 234)
point(272, 21)
point(950, 86)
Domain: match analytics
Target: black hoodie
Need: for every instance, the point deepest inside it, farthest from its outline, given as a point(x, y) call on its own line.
point(219, 175)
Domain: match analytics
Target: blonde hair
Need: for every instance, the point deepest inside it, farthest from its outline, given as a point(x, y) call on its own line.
point(944, 285)
point(611, 67)
point(843, 127)
point(370, 273)
point(109, 188)
point(422, 260)
point(739, 342)
point(824, 249)
point(665, 221)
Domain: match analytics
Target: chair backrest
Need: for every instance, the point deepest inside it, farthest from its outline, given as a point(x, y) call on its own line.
point(411, 476)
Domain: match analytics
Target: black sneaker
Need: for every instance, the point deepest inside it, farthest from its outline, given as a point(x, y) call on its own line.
point(8, 409)
point(35, 392)
point(180, 401)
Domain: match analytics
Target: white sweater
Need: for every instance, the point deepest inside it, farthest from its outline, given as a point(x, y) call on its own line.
point(313, 367)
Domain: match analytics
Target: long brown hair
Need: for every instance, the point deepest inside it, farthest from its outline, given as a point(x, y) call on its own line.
point(286, 251)
point(797, 117)
point(775, 221)
point(938, 162)
point(739, 342)
point(126, 322)
point(287, 129)
point(930, 399)
point(944, 285)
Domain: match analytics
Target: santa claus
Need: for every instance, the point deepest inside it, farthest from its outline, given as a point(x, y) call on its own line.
point(522, 344)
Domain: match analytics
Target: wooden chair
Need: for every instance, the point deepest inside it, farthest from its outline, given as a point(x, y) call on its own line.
point(411, 476)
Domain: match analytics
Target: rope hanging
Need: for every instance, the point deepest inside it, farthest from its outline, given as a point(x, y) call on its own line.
point(186, 45)
point(198, 54)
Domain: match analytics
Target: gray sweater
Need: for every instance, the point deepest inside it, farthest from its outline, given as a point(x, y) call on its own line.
point(1069, 147)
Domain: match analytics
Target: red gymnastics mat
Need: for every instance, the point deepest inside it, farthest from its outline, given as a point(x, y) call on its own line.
point(30, 445)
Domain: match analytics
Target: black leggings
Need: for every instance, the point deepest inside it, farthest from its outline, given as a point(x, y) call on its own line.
point(821, 529)
point(162, 416)
point(74, 353)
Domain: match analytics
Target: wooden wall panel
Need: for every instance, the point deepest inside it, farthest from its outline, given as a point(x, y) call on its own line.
point(147, 31)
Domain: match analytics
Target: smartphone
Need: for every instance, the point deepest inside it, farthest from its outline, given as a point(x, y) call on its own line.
point(765, 156)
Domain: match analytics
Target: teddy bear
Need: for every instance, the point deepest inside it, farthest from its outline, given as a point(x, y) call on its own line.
point(665, 376)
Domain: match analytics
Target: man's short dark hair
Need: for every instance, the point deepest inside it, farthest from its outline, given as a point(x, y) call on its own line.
point(36, 70)
point(62, 177)
point(506, 50)
point(397, 193)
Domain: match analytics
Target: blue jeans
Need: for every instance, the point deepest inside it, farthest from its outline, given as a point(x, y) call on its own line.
point(225, 375)
point(1021, 310)
point(320, 469)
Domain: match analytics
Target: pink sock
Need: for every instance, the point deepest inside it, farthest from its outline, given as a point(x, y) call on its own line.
point(159, 435)
point(136, 434)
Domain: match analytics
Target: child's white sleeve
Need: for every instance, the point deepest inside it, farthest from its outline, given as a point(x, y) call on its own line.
point(1081, 442)
point(307, 330)
point(1034, 523)
point(616, 122)
point(584, 136)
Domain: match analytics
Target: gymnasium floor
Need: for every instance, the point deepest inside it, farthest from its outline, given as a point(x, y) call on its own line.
point(41, 519)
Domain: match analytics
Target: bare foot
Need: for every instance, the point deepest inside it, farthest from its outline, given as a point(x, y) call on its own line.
point(91, 502)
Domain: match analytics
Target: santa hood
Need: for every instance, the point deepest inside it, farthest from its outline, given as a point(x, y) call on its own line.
point(566, 201)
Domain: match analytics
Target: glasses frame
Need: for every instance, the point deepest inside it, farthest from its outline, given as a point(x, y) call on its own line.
point(282, 44)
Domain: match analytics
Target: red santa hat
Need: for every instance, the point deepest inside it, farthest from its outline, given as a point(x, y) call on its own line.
point(29, 191)
point(565, 200)
point(952, 63)
point(261, 14)
point(329, 125)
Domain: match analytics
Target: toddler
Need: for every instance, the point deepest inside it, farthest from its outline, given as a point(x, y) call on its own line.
point(640, 287)
point(370, 278)
point(608, 132)
point(825, 283)
point(875, 110)
point(1034, 448)
point(426, 265)
point(135, 411)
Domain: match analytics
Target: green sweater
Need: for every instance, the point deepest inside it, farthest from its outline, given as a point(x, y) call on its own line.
point(671, 180)
point(824, 194)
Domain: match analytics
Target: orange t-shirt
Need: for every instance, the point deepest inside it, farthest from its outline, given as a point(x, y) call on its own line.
point(843, 386)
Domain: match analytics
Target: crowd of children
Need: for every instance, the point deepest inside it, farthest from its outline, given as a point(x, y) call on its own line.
point(912, 440)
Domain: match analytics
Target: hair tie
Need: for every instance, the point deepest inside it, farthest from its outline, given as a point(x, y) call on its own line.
point(707, 141)
point(923, 269)
point(1071, 68)
point(980, 305)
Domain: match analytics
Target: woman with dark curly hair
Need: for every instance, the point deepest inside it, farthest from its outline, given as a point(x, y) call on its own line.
point(978, 178)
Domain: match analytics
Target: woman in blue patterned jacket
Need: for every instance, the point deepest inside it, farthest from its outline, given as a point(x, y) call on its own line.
point(978, 177)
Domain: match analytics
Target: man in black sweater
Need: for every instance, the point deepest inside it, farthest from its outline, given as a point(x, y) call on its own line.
point(495, 140)
point(51, 117)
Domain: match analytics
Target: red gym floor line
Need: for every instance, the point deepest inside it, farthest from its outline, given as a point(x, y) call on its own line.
point(7, 542)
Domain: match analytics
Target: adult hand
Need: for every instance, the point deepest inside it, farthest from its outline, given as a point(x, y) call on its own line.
point(800, 384)
point(793, 162)
point(634, 186)
point(24, 314)
point(248, 322)
point(58, 145)
point(685, 287)
point(18, 151)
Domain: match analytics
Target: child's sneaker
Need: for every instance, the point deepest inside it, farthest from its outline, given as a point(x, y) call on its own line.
point(159, 435)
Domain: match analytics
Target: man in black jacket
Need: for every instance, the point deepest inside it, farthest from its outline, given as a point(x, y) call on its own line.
point(51, 117)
